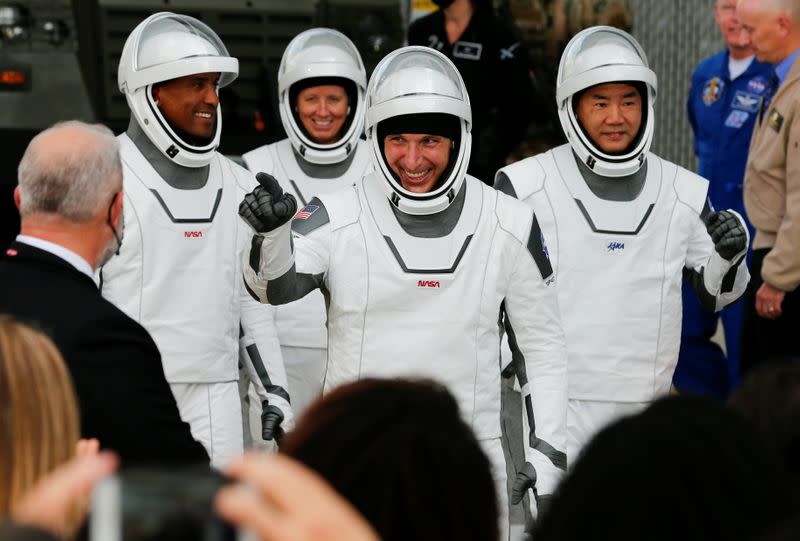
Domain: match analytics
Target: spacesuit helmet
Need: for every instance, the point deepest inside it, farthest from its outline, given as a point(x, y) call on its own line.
point(596, 56)
point(419, 85)
point(168, 46)
point(316, 57)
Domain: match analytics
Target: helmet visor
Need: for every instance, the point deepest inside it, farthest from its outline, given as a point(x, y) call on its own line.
point(172, 38)
point(414, 73)
point(324, 46)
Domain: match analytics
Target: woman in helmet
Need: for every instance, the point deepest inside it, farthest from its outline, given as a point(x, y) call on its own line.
point(626, 227)
point(417, 260)
point(321, 84)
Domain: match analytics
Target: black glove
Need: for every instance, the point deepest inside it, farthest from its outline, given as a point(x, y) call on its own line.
point(526, 478)
point(271, 417)
point(267, 208)
point(727, 232)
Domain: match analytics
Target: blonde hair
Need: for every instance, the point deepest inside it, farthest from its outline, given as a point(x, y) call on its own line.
point(39, 423)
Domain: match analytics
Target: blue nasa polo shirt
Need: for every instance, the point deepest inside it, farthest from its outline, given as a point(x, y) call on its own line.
point(722, 114)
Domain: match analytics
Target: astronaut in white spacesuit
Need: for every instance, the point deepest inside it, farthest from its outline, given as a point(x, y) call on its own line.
point(417, 260)
point(623, 226)
point(178, 271)
point(321, 84)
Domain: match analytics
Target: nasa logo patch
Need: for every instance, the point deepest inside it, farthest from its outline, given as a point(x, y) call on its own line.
point(757, 85)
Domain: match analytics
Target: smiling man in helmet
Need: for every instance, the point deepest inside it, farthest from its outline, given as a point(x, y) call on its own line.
point(322, 82)
point(624, 226)
point(417, 260)
point(178, 270)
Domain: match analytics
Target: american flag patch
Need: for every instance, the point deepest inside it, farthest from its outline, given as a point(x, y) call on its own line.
point(306, 212)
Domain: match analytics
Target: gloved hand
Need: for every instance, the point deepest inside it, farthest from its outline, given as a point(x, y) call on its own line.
point(526, 478)
point(727, 232)
point(271, 417)
point(267, 208)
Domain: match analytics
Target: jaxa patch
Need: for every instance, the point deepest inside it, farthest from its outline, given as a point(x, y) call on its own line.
point(745, 101)
point(306, 212)
point(775, 120)
point(736, 119)
point(712, 90)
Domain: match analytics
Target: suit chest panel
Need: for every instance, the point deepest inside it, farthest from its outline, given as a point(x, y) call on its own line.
point(627, 273)
point(181, 256)
point(435, 294)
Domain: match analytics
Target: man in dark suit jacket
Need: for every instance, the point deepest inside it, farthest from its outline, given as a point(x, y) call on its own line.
point(70, 202)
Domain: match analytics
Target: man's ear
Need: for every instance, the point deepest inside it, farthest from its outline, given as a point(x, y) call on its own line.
point(784, 25)
point(17, 197)
point(116, 208)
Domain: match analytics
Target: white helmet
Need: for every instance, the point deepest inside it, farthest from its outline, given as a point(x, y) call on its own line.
point(409, 81)
point(595, 56)
point(322, 53)
point(168, 46)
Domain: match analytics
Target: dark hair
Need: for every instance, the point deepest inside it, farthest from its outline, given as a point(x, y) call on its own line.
point(685, 468)
point(399, 451)
point(770, 398)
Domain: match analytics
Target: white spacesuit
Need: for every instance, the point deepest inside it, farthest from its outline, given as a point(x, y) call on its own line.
point(305, 168)
point(416, 282)
point(178, 271)
point(622, 230)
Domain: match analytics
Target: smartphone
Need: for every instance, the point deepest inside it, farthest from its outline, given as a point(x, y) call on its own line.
point(156, 505)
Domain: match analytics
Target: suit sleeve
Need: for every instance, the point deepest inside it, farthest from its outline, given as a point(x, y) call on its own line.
point(536, 338)
point(781, 268)
point(288, 263)
point(260, 354)
point(717, 281)
point(120, 381)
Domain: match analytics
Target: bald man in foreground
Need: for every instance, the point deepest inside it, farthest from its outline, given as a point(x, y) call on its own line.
point(70, 204)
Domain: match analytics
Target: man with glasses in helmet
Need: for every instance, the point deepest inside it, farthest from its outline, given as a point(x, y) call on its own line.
point(624, 226)
point(178, 271)
point(321, 82)
point(417, 260)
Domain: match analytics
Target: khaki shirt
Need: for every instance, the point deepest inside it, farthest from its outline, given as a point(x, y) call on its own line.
point(772, 185)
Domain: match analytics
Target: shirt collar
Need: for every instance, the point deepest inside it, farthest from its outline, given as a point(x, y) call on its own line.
point(59, 251)
point(782, 68)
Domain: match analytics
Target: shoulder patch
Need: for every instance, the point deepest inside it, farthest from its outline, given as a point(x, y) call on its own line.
point(313, 216)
